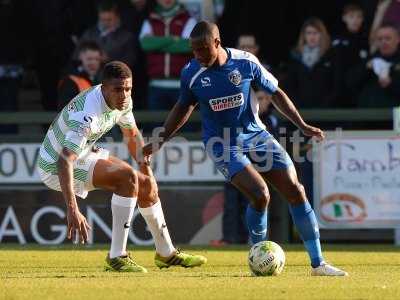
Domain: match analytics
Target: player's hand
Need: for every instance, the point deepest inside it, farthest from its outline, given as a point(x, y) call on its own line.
point(143, 160)
point(313, 132)
point(77, 223)
point(147, 160)
point(145, 169)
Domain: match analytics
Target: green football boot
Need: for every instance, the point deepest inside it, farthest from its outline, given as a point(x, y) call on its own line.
point(123, 264)
point(179, 259)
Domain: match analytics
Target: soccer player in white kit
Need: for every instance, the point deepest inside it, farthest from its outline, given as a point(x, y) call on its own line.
point(69, 162)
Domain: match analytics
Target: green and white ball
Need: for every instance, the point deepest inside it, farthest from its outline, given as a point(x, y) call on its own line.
point(266, 258)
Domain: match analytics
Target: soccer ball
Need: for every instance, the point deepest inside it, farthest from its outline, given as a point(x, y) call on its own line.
point(266, 258)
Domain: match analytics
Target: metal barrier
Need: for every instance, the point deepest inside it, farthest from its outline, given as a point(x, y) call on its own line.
point(27, 118)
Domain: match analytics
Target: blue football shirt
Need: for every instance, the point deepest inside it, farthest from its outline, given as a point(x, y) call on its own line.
point(228, 104)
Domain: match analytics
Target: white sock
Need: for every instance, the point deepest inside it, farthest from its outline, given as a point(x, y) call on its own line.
point(122, 212)
point(154, 217)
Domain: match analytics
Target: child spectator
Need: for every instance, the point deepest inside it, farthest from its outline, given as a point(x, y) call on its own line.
point(351, 46)
point(82, 76)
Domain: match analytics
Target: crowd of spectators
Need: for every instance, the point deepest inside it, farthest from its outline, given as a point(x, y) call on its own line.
point(349, 71)
point(358, 67)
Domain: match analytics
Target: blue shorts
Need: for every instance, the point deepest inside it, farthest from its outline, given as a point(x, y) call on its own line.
point(268, 156)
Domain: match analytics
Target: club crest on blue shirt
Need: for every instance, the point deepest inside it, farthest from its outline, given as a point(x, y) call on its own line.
point(235, 77)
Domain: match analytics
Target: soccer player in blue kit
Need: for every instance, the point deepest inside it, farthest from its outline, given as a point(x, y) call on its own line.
point(220, 81)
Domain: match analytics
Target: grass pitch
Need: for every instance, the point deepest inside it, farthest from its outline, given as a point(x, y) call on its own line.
point(72, 272)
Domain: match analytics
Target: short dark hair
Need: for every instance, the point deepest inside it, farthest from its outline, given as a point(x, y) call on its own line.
point(204, 30)
point(108, 5)
point(352, 7)
point(88, 45)
point(116, 70)
point(247, 34)
point(389, 25)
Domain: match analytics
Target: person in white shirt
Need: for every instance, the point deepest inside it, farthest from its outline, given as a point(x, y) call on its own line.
point(69, 162)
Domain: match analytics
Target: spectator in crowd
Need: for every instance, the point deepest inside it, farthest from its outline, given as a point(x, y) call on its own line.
point(314, 75)
point(248, 42)
point(378, 77)
point(116, 42)
point(164, 38)
point(351, 46)
point(82, 76)
point(208, 10)
point(387, 12)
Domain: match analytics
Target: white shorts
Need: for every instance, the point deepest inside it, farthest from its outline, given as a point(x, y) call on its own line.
point(83, 173)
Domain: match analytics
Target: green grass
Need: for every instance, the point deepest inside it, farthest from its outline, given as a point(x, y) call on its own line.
point(69, 272)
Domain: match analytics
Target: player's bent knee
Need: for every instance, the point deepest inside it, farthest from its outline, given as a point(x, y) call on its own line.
point(296, 194)
point(262, 198)
point(154, 187)
point(128, 183)
point(148, 189)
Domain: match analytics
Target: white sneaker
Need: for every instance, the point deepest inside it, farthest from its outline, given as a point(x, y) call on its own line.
point(327, 270)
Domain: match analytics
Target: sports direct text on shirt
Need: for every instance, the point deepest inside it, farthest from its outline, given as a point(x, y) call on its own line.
point(228, 102)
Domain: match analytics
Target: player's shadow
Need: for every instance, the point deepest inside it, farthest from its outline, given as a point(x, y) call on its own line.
point(296, 247)
point(116, 275)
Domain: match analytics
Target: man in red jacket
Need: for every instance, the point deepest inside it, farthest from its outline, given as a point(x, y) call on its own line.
point(164, 38)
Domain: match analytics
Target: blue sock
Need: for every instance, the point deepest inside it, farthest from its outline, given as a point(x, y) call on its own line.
point(306, 223)
point(257, 224)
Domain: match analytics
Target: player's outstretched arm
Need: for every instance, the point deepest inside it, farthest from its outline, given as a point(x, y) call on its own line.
point(135, 143)
point(177, 117)
point(76, 221)
point(282, 102)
